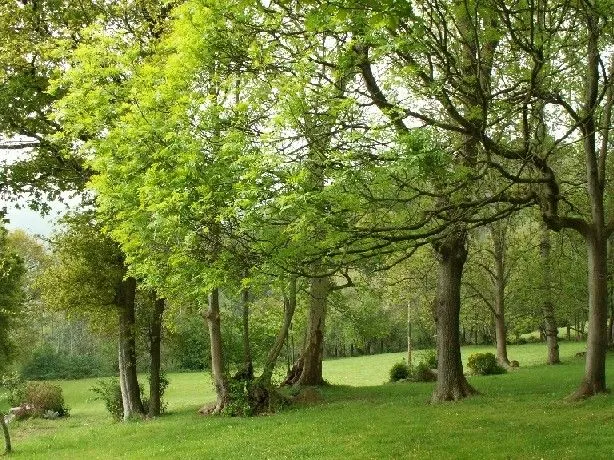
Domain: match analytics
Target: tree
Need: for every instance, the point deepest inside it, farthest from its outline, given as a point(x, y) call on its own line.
point(88, 277)
point(12, 273)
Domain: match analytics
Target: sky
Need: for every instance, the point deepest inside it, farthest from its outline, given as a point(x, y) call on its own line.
point(31, 221)
point(24, 218)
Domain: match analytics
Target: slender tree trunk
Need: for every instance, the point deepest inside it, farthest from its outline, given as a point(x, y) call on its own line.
point(218, 371)
point(550, 325)
point(314, 347)
point(131, 394)
point(498, 232)
point(451, 383)
point(409, 344)
point(248, 365)
point(597, 340)
point(155, 340)
point(611, 292)
point(289, 309)
point(8, 448)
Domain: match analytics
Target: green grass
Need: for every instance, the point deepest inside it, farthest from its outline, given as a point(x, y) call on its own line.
point(521, 414)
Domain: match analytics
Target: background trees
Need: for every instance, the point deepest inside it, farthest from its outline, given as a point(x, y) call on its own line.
point(12, 273)
point(243, 156)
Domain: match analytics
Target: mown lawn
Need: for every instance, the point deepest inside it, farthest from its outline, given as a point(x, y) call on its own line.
point(521, 414)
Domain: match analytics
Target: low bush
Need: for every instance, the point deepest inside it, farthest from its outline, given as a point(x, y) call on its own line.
point(484, 364)
point(109, 392)
point(163, 386)
point(40, 399)
point(423, 373)
point(400, 371)
point(430, 359)
point(45, 397)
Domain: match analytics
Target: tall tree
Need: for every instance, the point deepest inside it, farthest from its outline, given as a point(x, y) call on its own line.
point(88, 278)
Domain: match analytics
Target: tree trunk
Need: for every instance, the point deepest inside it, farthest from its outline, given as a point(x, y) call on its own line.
point(451, 383)
point(597, 341)
point(314, 346)
point(131, 394)
point(155, 339)
point(498, 231)
point(248, 365)
point(611, 292)
point(289, 308)
point(218, 371)
point(8, 448)
point(548, 306)
point(409, 343)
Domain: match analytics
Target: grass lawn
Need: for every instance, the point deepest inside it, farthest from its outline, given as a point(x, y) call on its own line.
point(521, 414)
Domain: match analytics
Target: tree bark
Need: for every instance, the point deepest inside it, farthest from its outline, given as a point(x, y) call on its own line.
point(248, 365)
point(8, 448)
point(218, 371)
point(498, 232)
point(597, 340)
point(550, 325)
point(314, 347)
point(289, 309)
point(155, 340)
point(611, 292)
point(451, 383)
point(131, 393)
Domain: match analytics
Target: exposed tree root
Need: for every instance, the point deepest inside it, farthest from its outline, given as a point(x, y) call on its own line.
point(586, 390)
point(455, 391)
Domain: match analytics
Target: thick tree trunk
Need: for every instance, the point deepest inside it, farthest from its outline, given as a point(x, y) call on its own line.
point(131, 394)
point(289, 308)
point(218, 371)
point(498, 232)
point(451, 383)
point(8, 448)
point(597, 340)
point(313, 351)
point(550, 325)
point(248, 366)
point(155, 340)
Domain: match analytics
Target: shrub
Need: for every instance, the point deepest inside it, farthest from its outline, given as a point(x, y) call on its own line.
point(430, 359)
point(163, 385)
point(42, 399)
point(400, 371)
point(239, 398)
point(423, 373)
point(110, 393)
point(47, 364)
point(484, 364)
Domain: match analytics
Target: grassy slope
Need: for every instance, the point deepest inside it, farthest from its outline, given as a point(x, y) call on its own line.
point(519, 415)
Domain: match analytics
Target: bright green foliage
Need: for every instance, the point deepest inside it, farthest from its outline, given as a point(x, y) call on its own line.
point(484, 364)
point(110, 393)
